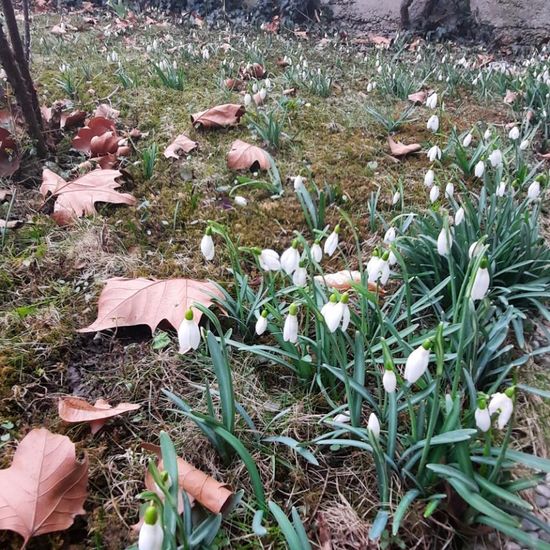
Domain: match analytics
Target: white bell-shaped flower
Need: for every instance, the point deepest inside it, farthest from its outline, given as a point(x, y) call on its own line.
point(395, 198)
point(207, 246)
point(332, 242)
point(433, 124)
point(390, 235)
point(481, 282)
point(524, 145)
point(482, 416)
point(475, 249)
point(240, 201)
point(247, 100)
point(389, 381)
point(434, 193)
point(503, 405)
point(431, 101)
point(479, 169)
point(290, 258)
point(299, 277)
point(332, 312)
point(417, 362)
point(495, 158)
point(459, 216)
point(513, 134)
point(290, 329)
point(269, 260)
point(444, 242)
point(501, 189)
point(342, 418)
point(298, 183)
point(151, 535)
point(449, 190)
point(316, 252)
point(487, 134)
point(189, 335)
point(261, 323)
point(533, 191)
point(429, 178)
point(374, 426)
point(467, 140)
point(434, 153)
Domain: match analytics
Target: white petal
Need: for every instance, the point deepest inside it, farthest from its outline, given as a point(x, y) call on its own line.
point(332, 313)
point(483, 419)
point(316, 252)
point(299, 278)
point(374, 425)
point(207, 247)
point(150, 537)
point(481, 284)
point(189, 335)
point(389, 381)
point(416, 365)
point(261, 325)
point(290, 259)
point(331, 244)
point(290, 329)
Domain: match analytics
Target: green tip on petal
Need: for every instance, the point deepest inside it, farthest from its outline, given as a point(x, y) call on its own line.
point(510, 392)
point(151, 515)
point(481, 403)
point(388, 366)
point(208, 231)
point(302, 263)
point(333, 298)
point(317, 241)
point(345, 298)
point(264, 313)
point(337, 229)
point(189, 315)
point(295, 243)
point(386, 256)
point(293, 309)
point(427, 344)
point(484, 263)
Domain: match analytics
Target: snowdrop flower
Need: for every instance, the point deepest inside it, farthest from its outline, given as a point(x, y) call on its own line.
point(449, 190)
point(290, 329)
point(433, 124)
point(240, 201)
point(369, 87)
point(372, 265)
point(299, 278)
point(268, 83)
point(298, 183)
point(487, 134)
point(514, 133)
point(261, 323)
point(434, 193)
point(290, 258)
point(459, 216)
point(205, 54)
point(332, 242)
point(189, 335)
point(151, 534)
point(503, 405)
point(501, 189)
point(481, 282)
point(346, 316)
point(467, 140)
point(434, 153)
point(389, 381)
point(390, 235)
point(444, 242)
point(479, 169)
point(374, 426)
point(417, 362)
point(207, 245)
point(263, 94)
point(533, 191)
point(482, 416)
point(429, 178)
point(247, 100)
point(255, 88)
point(431, 102)
point(269, 260)
point(475, 249)
point(396, 197)
point(342, 418)
point(392, 259)
point(495, 158)
point(332, 312)
point(524, 145)
point(316, 252)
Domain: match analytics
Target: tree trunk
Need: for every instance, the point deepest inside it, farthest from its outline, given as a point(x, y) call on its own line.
point(404, 13)
point(27, 17)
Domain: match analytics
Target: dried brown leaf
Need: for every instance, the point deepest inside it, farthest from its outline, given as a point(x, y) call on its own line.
point(9, 154)
point(418, 97)
point(510, 97)
point(45, 486)
point(77, 198)
point(76, 410)
point(130, 302)
point(181, 144)
point(106, 111)
point(244, 156)
point(219, 116)
point(96, 127)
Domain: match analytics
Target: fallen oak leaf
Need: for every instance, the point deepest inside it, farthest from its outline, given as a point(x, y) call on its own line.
point(77, 198)
point(252, 71)
point(129, 302)
point(45, 486)
point(213, 495)
point(244, 156)
point(181, 143)
point(95, 128)
point(399, 149)
point(418, 98)
point(106, 111)
point(219, 116)
point(76, 410)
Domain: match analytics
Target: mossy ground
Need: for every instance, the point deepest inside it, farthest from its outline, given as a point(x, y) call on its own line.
point(50, 277)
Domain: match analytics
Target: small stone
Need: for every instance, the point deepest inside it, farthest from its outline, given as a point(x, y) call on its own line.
point(512, 546)
point(540, 501)
point(543, 490)
point(528, 525)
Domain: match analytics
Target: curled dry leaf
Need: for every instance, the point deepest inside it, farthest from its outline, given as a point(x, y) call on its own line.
point(398, 149)
point(58, 116)
point(75, 410)
point(234, 84)
point(106, 111)
point(181, 144)
point(281, 62)
point(10, 224)
point(342, 280)
point(45, 486)
point(378, 40)
point(4, 194)
point(220, 116)
point(130, 302)
point(419, 98)
point(244, 156)
point(510, 97)
point(95, 129)
point(77, 198)
point(252, 71)
point(9, 154)
point(213, 495)
point(258, 99)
